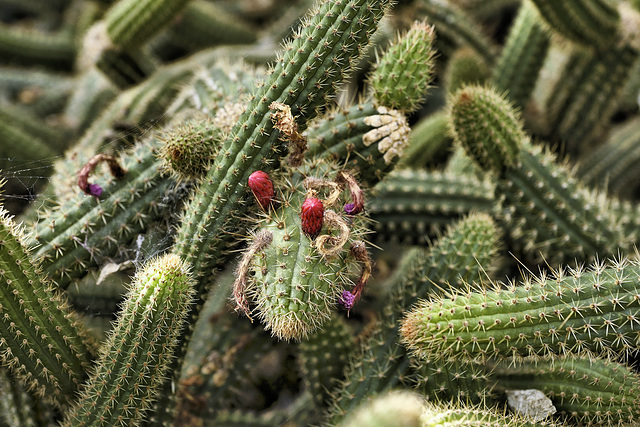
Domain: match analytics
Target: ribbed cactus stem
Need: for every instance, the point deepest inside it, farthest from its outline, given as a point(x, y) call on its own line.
point(402, 75)
point(588, 22)
point(487, 126)
point(130, 23)
point(134, 360)
point(591, 311)
point(42, 342)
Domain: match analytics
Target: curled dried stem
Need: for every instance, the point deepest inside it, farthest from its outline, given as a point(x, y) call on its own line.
point(312, 184)
point(345, 179)
point(83, 175)
point(284, 121)
point(260, 241)
point(358, 250)
point(328, 245)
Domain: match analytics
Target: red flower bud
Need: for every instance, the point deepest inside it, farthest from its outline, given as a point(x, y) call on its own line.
point(312, 214)
point(262, 187)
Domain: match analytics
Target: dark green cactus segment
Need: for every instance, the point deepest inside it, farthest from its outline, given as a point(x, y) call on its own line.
point(131, 23)
point(402, 75)
point(588, 22)
point(522, 56)
point(613, 165)
point(203, 24)
point(383, 363)
point(75, 236)
point(18, 407)
point(125, 68)
point(28, 47)
point(456, 26)
point(563, 222)
point(413, 205)
point(585, 96)
point(487, 127)
point(585, 390)
point(139, 350)
point(331, 39)
point(324, 356)
point(590, 312)
point(42, 341)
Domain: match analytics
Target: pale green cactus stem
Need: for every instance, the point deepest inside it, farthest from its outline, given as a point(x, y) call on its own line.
point(396, 408)
point(382, 362)
point(134, 361)
point(461, 415)
point(584, 389)
point(42, 341)
point(590, 311)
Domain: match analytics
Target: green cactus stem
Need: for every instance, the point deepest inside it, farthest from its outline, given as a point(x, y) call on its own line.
point(587, 22)
point(465, 67)
point(590, 311)
point(522, 56)
point(18, 407)
point(28, 47)
point(125, 68)
point(130, 23)
point(459, 415)
point(134, 360)
point(429, 141)
point(83, 230)
point(321, 52)
point(295, 280)
point(459, 29)
point(402, 75)
point(412, 206)
point(43, 343)
point(382, 363)
point(549, 213)
point(585, 390)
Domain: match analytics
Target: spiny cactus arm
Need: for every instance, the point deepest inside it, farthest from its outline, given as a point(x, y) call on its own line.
point(130, 23)
point(41, 339)
point(84, 230)
point(413, 205)
point(312, 63)
point(382, 363)
point(588, 22)
point(364, 137)
point(547, 209)
point(522, 56)
point(465, 67)
point(134, 360)
point(126, 68)
point(586, 311)
point(17, 406)
point(402, 74)
point(584, 389)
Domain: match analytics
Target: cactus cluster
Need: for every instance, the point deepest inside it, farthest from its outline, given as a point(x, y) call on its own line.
point(329, 212)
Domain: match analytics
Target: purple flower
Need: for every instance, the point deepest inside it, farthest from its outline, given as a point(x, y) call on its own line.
point(353, 208)
point(347, 299)
point(95, 190)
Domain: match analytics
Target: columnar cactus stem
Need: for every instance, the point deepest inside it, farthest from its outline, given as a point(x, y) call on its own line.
point(134, 360)
point(590, 311)
point(41, 339)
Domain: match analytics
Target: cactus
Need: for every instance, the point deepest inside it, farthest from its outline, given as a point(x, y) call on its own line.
point(365, 170)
